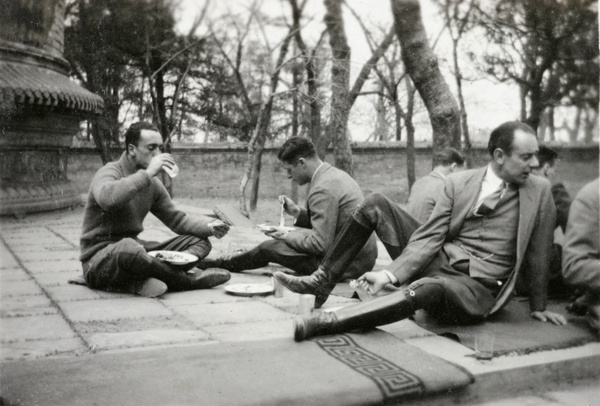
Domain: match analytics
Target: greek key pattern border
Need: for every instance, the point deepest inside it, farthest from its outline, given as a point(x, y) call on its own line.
point(392, 380)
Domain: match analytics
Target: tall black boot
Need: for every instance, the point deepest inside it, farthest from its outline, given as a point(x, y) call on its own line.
point(351, 239)
point(365, 315)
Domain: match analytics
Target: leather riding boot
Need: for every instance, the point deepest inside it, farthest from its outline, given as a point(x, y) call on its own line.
point(201, 279)
point(315, 284)
point(238, 261)
point(346, 246)
point(364, 315)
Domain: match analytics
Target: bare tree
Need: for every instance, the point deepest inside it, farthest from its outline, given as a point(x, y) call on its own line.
point(457, 15)
point(422, 67)
point(342, 97)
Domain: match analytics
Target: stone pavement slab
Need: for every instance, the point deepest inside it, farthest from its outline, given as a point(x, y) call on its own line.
point(34, 327)
point(41, 315)
point(85, 311)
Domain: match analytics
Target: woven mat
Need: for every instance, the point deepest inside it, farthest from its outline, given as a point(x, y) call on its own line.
point(352, 369)
point(515, 331)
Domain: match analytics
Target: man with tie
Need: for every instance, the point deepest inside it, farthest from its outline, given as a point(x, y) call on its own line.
point(461, 266)
point(332, 197)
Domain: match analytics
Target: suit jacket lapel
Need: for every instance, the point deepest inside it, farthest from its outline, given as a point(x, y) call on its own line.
point(464, 201)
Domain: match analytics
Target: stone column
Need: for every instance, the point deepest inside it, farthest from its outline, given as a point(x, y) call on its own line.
point(40, 108)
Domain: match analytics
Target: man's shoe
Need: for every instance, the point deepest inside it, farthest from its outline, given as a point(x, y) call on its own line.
point(210, 263)
point(209, 278)
point(365, 315)
point(150, 287)
point(315, 284)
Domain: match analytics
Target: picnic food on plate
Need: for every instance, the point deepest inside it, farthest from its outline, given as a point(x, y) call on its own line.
point(170, 257)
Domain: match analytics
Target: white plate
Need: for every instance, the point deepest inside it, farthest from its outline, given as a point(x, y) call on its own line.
point(268, 228)
point(174, 257)
point(249, 289)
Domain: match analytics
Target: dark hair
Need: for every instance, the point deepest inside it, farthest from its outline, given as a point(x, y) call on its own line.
point(448, 156)
point(295, 148)
point(132, 136)
point(546, 155)
point(503, 136)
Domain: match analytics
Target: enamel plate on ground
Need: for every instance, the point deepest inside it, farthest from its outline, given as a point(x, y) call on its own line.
point(268, 228)
point(249, 289)
point(174, 257)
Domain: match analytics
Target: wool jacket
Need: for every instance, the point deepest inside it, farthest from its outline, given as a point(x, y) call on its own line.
point(581, 252)
point(332, 198)
point(537, 220)
point(423, 196)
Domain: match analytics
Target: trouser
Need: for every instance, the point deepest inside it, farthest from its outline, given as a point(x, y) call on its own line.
point(119, 264)
point(377, 213)
point(276, 251)
point(447, 293)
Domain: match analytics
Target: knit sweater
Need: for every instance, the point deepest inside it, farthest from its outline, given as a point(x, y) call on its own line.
point(119, 199)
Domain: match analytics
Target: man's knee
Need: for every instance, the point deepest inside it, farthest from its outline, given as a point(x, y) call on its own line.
point(270, 246)
point(374, 199)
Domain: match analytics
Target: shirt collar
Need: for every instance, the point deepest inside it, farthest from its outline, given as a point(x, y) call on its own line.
point(491, 178)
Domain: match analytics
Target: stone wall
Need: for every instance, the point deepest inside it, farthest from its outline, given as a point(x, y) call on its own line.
point(217, 168)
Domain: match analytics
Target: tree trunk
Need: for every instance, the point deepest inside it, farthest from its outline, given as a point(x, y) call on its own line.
point(461, 101)
point(410, 134)
point(311, 79)
point(591, 118)
point(257, 143)
point(337, 131)
point(422, 67)
point(295, 120)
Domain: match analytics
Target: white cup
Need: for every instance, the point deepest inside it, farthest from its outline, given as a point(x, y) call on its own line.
point(277, 288)
point(306, 304)
point(171, 172)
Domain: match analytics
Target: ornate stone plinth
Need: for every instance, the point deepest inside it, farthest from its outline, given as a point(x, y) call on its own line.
point(40, 108)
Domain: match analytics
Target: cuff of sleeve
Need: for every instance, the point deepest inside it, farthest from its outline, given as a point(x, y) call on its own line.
point(391, 277)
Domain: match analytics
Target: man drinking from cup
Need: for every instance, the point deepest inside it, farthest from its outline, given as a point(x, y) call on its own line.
point(122, 193)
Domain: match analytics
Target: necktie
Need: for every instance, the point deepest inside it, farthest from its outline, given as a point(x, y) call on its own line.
point(489, 203)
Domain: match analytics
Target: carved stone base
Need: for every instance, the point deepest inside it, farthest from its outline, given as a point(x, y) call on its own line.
point(21, 199)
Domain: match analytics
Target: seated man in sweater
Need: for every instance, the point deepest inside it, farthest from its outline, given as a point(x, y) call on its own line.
point(122, 193)
point(426, 191)
point(332, 197)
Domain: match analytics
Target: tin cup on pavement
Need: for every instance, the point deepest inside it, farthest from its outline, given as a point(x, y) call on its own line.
point(306, 304)
point(277, 287)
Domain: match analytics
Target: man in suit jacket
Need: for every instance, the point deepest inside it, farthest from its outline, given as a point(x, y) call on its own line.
point(581, 252)
point(562, 202)
point(462, 265)
point(426, 191)
point(333, 196)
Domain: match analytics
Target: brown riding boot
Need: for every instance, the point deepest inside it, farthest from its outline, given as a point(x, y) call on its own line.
point(365, 315)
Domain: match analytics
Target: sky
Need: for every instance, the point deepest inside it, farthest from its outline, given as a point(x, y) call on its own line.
point(488, 103)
